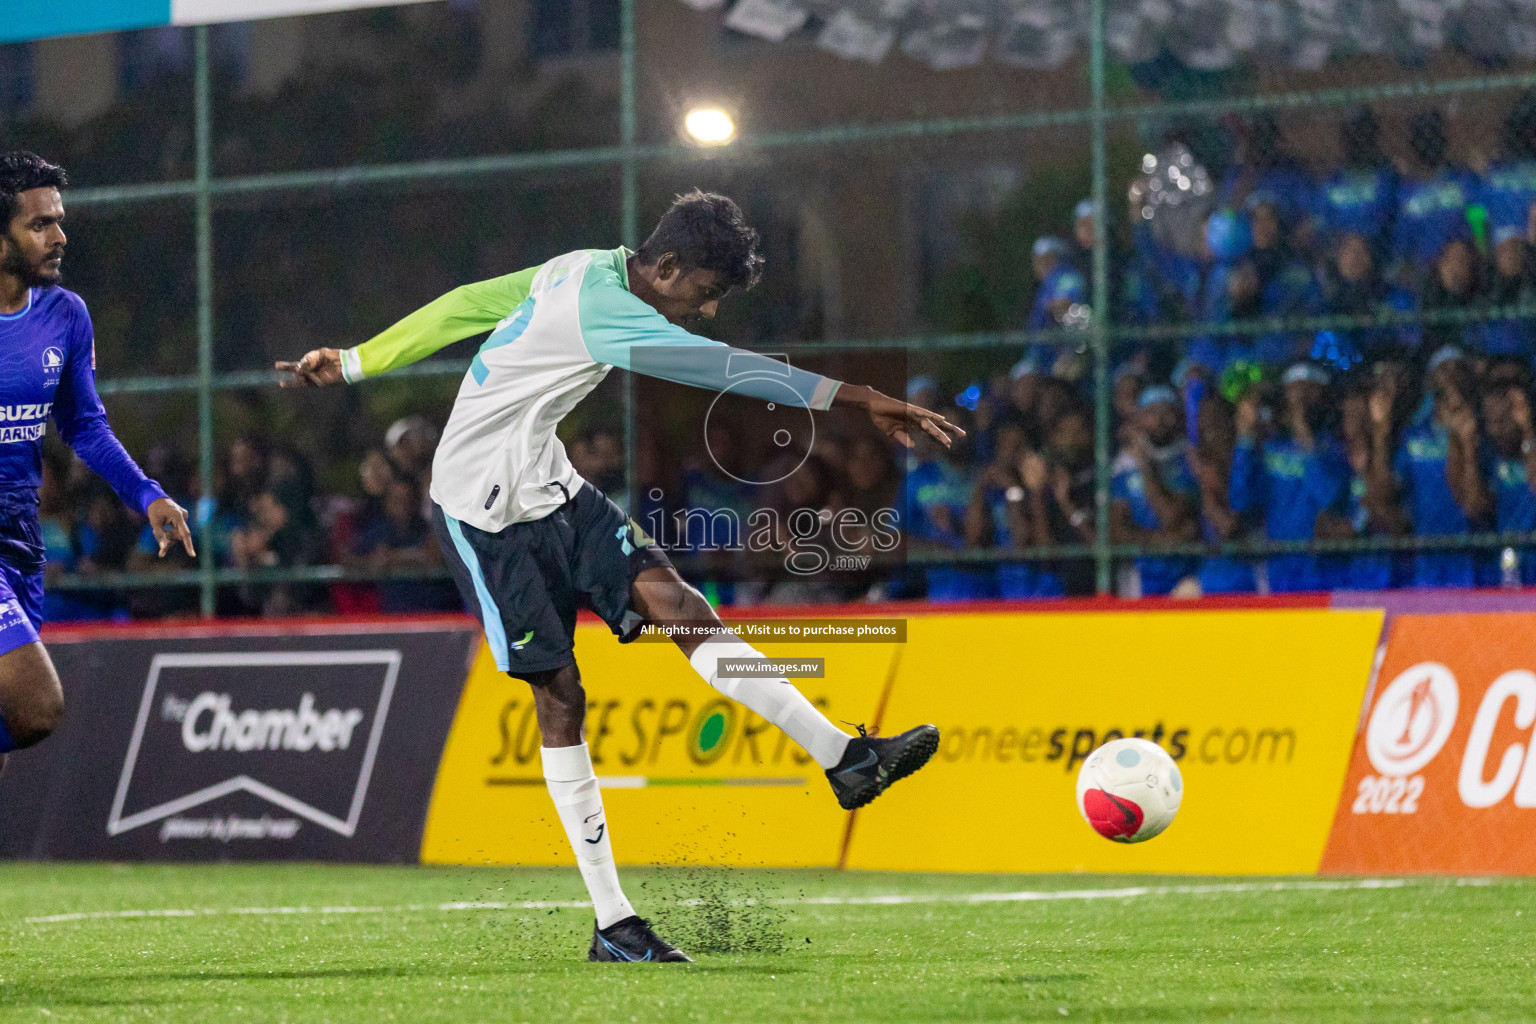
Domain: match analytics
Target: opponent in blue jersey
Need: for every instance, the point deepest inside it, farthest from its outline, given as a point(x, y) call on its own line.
point(47, 367)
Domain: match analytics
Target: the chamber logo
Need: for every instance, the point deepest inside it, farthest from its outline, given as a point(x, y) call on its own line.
point(299, 730)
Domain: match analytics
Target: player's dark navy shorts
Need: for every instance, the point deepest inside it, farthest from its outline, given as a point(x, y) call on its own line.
point(527, 581)
point(21, 570)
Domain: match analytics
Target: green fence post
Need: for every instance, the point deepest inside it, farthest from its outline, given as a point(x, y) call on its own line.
point(202, 175)
point(1100, 322)
point(629, 215)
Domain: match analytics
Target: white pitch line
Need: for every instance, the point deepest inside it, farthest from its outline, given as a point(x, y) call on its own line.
point(1035, 895)
point(1023, 896)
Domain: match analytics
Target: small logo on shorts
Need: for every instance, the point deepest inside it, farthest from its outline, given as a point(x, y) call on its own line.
point(492, 499)
point(518, 645)
point(11, 614)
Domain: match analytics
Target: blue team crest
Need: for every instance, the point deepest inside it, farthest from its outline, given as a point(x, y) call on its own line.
point(53, 359)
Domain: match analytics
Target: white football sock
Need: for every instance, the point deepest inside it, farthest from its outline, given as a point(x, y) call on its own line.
point(573, 786)
point(776, 699)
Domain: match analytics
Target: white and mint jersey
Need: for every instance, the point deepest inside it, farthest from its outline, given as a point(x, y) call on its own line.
point(559, 329)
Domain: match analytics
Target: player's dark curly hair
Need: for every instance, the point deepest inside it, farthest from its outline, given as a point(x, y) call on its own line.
point(20, 172)
point(706, 231)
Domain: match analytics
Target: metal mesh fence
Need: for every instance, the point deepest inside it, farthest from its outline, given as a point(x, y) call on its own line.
point(1210, 230)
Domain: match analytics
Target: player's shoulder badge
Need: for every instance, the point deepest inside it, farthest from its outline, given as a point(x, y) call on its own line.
point(53, 366)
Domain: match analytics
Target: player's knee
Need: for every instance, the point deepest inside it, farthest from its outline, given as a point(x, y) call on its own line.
point(36, 712)
point(560, 701)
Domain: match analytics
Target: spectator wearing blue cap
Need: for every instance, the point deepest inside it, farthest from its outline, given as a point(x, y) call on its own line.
point(1292, 478)
point(1153, 494)
point(1513, 283)
point(1431, 203)
point(1061, 292)
point(1361, 196)
point(1507, 419)
point(1024, 379)
point(1061, 285)
point(1438, 471)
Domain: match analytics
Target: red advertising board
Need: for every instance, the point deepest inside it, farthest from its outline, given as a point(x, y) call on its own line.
point(1443, 774)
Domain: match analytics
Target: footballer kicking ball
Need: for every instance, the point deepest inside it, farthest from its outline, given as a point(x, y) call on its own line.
point(1129, 790)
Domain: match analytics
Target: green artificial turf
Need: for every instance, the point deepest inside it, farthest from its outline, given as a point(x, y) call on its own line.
point(358, 944)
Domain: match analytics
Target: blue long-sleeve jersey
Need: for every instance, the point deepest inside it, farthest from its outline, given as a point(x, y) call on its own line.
point(48, 367)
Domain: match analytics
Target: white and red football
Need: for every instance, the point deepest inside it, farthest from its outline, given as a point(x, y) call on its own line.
point(1129, 790)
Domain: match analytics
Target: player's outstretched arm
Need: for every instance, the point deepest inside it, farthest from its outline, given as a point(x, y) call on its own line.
point(896, 418)
point(462, 313)
point(620, 329)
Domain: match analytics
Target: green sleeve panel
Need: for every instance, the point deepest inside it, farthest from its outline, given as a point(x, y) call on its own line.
point(462, 313)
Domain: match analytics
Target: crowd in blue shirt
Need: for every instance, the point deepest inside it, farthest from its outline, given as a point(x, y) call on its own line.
point(1418, 231)
point(1392, 450)
point(1416, 426)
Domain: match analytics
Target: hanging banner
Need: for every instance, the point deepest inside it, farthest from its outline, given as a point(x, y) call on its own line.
point(1443, 776)
point(239, 745)
point(43, 19)
point(688, 777)
point(1258, 708)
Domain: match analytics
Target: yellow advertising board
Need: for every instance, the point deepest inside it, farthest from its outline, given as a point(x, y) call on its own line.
point(1258, 707)
point(688, 777)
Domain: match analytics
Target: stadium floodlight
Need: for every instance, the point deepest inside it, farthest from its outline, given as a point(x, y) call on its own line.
point(709, 126)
